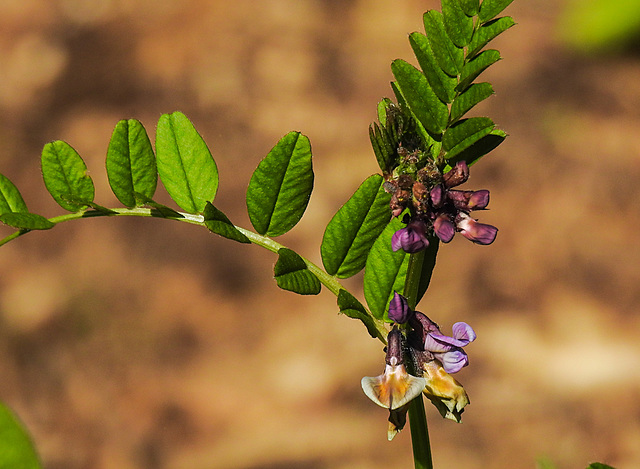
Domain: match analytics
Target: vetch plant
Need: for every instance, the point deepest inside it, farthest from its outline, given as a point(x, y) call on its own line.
point(391, 226)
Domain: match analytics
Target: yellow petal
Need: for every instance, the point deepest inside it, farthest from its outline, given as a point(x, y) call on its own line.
point(444, 391)
point(394, 388)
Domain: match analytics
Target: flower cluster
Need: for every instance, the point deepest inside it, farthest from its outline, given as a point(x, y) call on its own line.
point(435, 208)
point(433, 354)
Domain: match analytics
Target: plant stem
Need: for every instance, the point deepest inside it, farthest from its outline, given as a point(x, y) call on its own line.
point(417, 415)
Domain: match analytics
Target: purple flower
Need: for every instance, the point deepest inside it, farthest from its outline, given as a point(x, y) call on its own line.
point(448, 350)
point(444, 228)
point(412, 238)
point(399, 310)
point(457, 175)
point(479, 233)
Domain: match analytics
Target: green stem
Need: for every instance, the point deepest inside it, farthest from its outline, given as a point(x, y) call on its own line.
point(417, 415)
point(327, 280)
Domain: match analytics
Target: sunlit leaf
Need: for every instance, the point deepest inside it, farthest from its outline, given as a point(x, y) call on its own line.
point(26, 221)
point(457, 24)
point(450, 58)
point(351, 307)
point(354, 228)
point(492, 8)
point(476, 66)
point(281, 185)
point(16, 448)
point(470, 7)
point(185, 164)
point(217, 222)
point(291, 273)
point(384, 272)
point(487, 32)
point(65, 173)
point(479, 148)
point(10, 198)
point(465, 133)
point(467, 100)
point(131, 164)
point(442, 84)
point(419, 96)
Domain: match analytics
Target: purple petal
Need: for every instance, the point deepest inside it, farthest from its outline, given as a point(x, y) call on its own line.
point(453, 361)
point(477, 232)
point(479, 200)
point(399, 310)
point(438, 343)
point(437, 195)
point(411, 239)
point(463, 332)
point(458, 175)
point(444, 228)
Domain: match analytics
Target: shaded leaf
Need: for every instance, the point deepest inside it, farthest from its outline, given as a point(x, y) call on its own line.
point(354, 228)
point(384, 272)
point(26, 221)
point(473, 95)
point(492, 8)
point(420, 98)
point(457, 24)
point(131, 164)
point(599, 465)
point(476, 66)
point(291, 273)
point(185, 164)
point(428, 264)
point(16, 448)
point(10, 198)
point(351, 307)
point(281, 186)
point(65, 173)
point(442, 84)
point(449, 57)
point(382, 147)
point(479, 148)
point(486, 33)
point(218, 222)
point(470, 7)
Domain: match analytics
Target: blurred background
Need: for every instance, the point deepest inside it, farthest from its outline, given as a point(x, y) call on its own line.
point(138, 343)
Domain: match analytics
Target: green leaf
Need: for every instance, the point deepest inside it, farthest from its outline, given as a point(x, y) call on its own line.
point(384, 272)
point(354, 228)
point(280, 186)
point(599, 465)
point(428, 264)
point(476, 66)
point(442, 84)
point(486, 33)
point(64, 172)
point(291, 273)
point(457, 24)
point(26, 221)
point(161, 210)
point(382, 111)
point(492, 8)
point(218, 223)
point(479, 148)
point(420, 98)
point(16, 448)
point(382, 147)
point(465, 133)
point(10, 198)
point(131, 164)
point(449, 57)
point(185, 164)
point(351, 307)
point(467, 100)
point(470, 7)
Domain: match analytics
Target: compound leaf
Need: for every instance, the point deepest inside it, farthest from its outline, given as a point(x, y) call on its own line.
point(186, 167)
point(281, 185)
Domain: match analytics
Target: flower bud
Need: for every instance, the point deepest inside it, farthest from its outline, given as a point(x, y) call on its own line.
point(457, 175)
point(399, 310)
point(412, 238)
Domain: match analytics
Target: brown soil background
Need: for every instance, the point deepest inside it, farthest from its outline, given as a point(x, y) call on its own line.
point(137, 343)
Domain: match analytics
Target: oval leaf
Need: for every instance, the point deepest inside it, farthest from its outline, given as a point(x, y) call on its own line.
point(492, 8)
point(351, 307)
point(16, 448)
point(476, 66)
point(473, 95)
point(457, 24)
point(217, 222)
point(486, 33)
point(354, 228)
point(479, 148)
point(448, 55)
point(442, 84)
point(65, 176)
point(10, 198)
point(384, 272)
point(131, 164)
point(470, 7)
point(26, 221)
point(420, 98)
point(465, 133)
point(185, 164)
point(280, 187)
point(291, 273)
